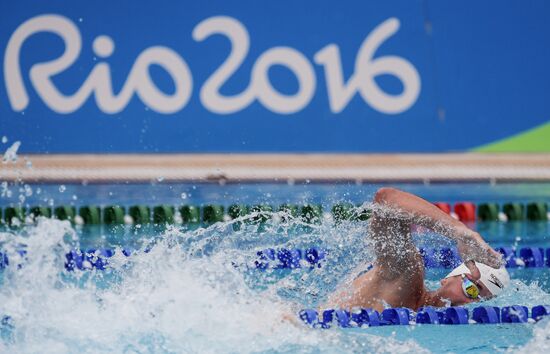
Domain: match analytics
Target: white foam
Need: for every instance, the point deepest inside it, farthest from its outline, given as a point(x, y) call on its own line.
point(166, 300)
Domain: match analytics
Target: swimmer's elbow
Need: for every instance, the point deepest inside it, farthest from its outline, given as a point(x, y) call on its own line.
point(385, 195)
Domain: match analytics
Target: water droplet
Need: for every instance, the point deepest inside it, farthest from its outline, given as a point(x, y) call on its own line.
point(21, 198)
point(160, 178)
point(4, 139)
point(80, 19)
point(184, 196)
point(62, 188)
point(28, 190)
point(75, 197)
point(5, 190)
point(11, 153)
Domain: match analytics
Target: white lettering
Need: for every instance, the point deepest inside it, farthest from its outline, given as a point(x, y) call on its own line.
point(240, 42)
point(299, 65)
point(366, 69)
point(99, 79)
point(260, 88)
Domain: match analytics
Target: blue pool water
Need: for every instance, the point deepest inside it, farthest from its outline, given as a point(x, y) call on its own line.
point(198, 290)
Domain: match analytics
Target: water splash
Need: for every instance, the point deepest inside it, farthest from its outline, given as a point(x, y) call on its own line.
point(11, 153)
point(183, 295)
point(540, 343)
point(196, 291)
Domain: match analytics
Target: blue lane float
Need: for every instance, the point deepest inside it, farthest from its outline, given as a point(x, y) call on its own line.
point(538, 312)
point(509, 255)
point(486, 315)
point(4, 260)
point(440, 257)
point(456, 315)
point(91, 259)
point(532, 256)
point(364, 317)
point(400, 316)
point(289, 258)
point(312, 257)
point(430, 315)
point(514, 314)
point(529, 257)
point(341, 318)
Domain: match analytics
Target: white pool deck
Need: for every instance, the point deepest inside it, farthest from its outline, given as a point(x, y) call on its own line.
point(231, 168)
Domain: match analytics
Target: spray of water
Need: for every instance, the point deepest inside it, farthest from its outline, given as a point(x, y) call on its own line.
point(192, 291)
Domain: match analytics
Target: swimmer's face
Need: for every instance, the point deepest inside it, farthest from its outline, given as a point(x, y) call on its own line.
point(451, 288)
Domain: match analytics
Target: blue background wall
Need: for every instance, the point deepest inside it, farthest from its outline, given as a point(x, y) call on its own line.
point(483, 69)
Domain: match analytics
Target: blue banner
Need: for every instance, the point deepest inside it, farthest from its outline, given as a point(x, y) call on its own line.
point(271, 76)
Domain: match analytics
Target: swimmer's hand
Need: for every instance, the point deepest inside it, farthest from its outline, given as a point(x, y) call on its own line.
point(472, 247)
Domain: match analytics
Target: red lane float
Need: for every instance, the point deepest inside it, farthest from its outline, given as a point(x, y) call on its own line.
point(446, 207)
point(465, 211)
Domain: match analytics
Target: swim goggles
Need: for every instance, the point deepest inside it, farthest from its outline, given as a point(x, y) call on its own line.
point(469, 288)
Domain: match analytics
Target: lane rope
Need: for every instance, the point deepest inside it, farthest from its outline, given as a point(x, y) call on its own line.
point(456, 315)
point(283, 258)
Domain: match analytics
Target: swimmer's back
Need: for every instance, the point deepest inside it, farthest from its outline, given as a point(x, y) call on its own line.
point(372, 289)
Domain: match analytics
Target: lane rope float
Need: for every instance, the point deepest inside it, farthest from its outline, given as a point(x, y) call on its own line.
point(283, 258)
point(365, 317)
point(211, 213)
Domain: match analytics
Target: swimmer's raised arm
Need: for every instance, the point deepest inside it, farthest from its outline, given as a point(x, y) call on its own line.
point(395, 211)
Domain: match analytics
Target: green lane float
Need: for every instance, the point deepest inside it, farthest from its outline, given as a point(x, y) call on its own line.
point(90, 215)
point(347, 211)
point(311, 213)
point(289, 212)
point(236, 211)
point(190, 215)
point(141, 214)
point(537, 211)
point(163, 214)
point(361, 214)
point(65, 212)
point(113, 215)
point(14, 215)
point(263, 213)
point(212, 214)
point(487, 212)
point(513, 211)
point(37, 211)
point(341, 212)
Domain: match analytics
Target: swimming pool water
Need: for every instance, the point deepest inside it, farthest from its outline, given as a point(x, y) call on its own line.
point(198, 291)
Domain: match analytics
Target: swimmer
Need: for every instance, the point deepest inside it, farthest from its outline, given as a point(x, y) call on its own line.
point(397, 278)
